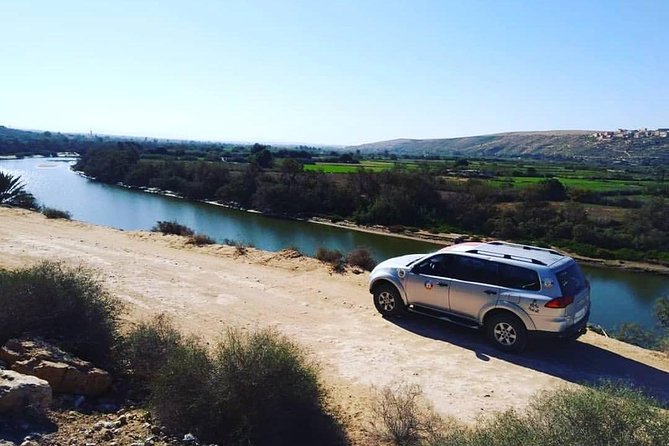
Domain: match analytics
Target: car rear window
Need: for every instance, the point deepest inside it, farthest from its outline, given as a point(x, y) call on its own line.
point(571, 280)
point(519, 278)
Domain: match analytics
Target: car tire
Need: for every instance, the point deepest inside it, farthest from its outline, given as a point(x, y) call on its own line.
point(507, 332)
point(388, 301)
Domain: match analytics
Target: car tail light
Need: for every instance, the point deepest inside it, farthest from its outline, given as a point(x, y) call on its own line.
point(559, 302)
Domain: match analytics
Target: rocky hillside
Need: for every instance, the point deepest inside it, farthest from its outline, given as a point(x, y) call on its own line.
point(550, 144)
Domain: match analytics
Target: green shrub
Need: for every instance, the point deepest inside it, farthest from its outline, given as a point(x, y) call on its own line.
point(56, 213)
point(65, 304)
point(148, 346)
point(200, 240)
point(662, 312)
point(609, 415)
point(172, 228)
point(634, 333)
point(361, 257)
point(180, 394)
point(256, 389)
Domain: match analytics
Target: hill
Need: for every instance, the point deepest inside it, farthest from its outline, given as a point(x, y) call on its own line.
point(629, 146)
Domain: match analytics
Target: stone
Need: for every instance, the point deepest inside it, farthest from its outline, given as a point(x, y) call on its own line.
point(189, 438)
point(64, 372)
point(19, 392)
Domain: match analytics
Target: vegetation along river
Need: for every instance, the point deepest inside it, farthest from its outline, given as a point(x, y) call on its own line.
point(618, 295)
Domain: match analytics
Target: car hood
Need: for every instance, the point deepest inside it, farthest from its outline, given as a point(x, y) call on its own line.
point(399, 262)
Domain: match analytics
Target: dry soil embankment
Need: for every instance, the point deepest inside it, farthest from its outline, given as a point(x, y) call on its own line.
point(209, 288)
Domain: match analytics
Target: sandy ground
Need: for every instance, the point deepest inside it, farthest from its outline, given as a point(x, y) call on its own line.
point(207, 289)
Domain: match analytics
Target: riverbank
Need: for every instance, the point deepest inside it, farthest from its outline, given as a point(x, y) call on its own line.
point(206, 289)
point(414, 234)
point(450, 238)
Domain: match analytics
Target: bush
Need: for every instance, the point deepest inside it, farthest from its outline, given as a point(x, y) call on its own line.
point(173, 228)
point(400, 416)
point(241, 248)
point(361, 257)
point(200, 240)
point(256, 389)
point(605, 415)
point(180, 395)
point(148, 346)
point(65, 304)
point(635, 334)
point(56, 213)
point(331, 256)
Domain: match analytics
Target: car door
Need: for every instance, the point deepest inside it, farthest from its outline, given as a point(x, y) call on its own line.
point(472, 286)
point(426, 284)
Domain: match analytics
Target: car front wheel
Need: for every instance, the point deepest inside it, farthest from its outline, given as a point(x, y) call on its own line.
point(507, 332)
point(388, 301)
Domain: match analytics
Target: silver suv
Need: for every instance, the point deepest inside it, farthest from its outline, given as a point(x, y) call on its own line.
point(510, 290)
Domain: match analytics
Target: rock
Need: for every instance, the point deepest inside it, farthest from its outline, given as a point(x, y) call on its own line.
point(3, 366)
point(100, 425)
point(122, 420)
point(19, 392)
point(7, 443)
point(189, 438)
point(65, 373)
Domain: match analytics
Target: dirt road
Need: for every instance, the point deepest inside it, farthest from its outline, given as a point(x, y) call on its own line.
point(207, 289)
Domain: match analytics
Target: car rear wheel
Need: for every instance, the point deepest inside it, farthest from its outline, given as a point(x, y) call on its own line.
point(388, 301)
point(507, 332)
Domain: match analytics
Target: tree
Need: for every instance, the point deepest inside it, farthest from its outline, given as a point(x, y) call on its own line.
point(13, 192)
point(550, 189)
point(263, 158)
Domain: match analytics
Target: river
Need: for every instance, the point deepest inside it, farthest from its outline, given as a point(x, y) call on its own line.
point(617, 295)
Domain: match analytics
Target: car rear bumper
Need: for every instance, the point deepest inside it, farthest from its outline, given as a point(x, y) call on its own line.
point(571, 332)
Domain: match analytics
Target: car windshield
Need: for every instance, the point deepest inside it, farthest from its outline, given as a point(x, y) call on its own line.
point(420, 258)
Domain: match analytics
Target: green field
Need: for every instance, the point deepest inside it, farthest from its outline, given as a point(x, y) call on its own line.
point(374, 166)
point(513, 174)
point(596, 185)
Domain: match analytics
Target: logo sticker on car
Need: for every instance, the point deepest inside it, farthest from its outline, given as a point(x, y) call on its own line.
point(534, 306)
point(428, 285)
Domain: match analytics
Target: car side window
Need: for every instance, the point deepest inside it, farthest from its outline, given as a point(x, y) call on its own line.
point(517, 277)
point(474, 270)
point(433, 266)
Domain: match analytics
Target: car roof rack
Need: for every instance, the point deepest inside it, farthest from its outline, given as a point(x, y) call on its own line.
point(525, 247)
point(506, 256)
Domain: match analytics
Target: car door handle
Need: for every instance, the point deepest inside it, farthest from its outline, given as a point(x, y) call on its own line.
point(442, 284)
point(490, 292)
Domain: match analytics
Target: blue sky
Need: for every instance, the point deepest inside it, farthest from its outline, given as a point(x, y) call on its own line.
point(336, 72)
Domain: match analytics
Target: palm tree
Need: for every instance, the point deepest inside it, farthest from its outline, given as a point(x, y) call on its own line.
point(13, 192)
